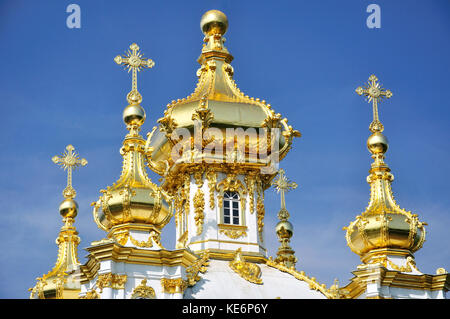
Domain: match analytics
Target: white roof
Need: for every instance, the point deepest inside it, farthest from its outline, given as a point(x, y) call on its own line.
point(222, 282)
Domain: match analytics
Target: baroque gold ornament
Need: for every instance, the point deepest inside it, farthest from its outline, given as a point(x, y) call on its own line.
point(383, 228)
point(173, 285)
point(200, 265)
point(134, 61)
point(134, 198)
point(216, 106)
point(110, 280)
point(374, 93)
point(199, 208)
point(284, 228)
point(69, 161)
point(142, 291)
point(249, 271)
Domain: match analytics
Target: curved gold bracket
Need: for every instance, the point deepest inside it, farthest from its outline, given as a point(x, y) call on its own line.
point(95, 215)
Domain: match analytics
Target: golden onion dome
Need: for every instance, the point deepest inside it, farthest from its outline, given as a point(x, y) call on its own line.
point(216, 103)
point(62, 281)
point(133, 199)
point(383, 227)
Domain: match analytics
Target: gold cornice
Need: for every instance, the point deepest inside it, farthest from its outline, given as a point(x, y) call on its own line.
point(394, 279)
point(176, 177)
point(225, 254)
point(114, 252)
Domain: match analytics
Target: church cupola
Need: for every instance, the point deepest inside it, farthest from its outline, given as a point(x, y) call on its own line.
point(384, 233)
point(134, 209)
point(217, 151)
point(62, 282)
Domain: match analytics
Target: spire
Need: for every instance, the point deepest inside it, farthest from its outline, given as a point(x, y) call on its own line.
point(284, 228)
point(62, 282)
point(133, 201)
point(384, 228)
point(134, 114)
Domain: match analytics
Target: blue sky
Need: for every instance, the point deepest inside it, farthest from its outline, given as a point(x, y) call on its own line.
point(60, 86)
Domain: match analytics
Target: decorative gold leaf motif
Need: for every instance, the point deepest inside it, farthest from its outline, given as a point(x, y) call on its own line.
point(199, 208)
point(114, 281)
point(173, 285)
point(249, 271)
point(211, 176)
point(143, 291)
point(200, 265)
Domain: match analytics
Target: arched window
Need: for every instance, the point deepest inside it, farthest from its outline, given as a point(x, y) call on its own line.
point(231, 208)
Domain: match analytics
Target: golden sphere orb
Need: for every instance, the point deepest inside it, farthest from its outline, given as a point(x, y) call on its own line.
point(68, 208)
point(134, 115)
point(284, 229)
point(377, 143)
point(214, 21)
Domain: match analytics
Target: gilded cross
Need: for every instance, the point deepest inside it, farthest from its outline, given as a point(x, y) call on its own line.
point(69, 160)
point(374, 92)
point(134, 61)
point(282, 184)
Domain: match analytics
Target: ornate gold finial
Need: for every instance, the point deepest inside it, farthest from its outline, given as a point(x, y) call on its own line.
point(384, 228)
point(283, 184)
point(374, 92)
point(284, 228)
point(134, 61)
point(214, 22)
point(249, 271)
point(69, 160)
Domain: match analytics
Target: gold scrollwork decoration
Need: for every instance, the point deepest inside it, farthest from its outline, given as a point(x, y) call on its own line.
point(211, 176)
point(260, 212)
point(173, 285)
point(250, 180)
point(249, 271)
point(143, 291)
point(114, 281)
point(91, 294)
point(200, 265)
point(233, 231)
point(199, 208)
